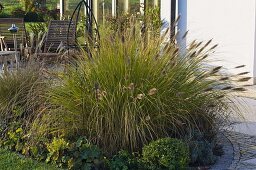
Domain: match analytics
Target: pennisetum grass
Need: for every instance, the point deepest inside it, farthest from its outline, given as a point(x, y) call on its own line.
point(129, 94)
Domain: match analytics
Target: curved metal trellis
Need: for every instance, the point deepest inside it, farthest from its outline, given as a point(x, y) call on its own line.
point(92, 35)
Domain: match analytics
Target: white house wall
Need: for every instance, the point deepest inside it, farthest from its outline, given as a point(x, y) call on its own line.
point(231, 24)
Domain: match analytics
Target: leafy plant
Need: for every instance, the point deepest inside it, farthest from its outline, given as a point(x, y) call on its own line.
point(57, 150)
point(166, 153)
point(37, 28)
point(125, 161)
point(14, 140)
point(76, 155)
point(36, 35)
point(13, 161)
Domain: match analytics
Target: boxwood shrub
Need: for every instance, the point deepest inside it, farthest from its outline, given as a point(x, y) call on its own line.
point(166, 153)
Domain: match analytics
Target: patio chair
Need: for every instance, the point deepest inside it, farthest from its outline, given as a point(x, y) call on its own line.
point(6, 23)
point(56, 39)
point(3, 45)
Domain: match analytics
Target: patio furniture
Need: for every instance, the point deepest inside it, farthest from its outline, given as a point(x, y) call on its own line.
point(5, 24)
point(3, 45)
point(57, 39)
point(8, 56)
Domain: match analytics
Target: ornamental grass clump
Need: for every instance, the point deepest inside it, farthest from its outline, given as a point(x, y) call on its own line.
point(131, 92)
point(21, 94)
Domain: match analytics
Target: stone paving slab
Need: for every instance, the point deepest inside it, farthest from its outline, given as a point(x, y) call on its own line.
point(244, 147)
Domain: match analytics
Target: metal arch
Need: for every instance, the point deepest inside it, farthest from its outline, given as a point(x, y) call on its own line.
point(89, 23)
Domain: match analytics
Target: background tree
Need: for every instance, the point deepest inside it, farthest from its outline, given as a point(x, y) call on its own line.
point(32, 5)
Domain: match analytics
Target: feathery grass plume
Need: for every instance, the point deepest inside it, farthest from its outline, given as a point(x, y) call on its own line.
point(205, 46)
point(213, 47)
point(192, 45)
point(185, 35)
point(192, 54)
point(227, 88)
point(147, 97)
point(224, 78)
point(239, 89)
point(198, 44)
point(176, 21)
point(152, 91)
point(207, 43)
point(243, 73)
point(240, 66)
point(244, 79)
point(215, 70)
point(248, 85)
point(205, 56)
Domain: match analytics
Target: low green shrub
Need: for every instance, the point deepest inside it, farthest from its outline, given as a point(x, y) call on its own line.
point(57, 150)
point(12, 161)
point(124, 161)
point(166, 153)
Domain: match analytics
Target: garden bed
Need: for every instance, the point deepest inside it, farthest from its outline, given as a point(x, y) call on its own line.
point(133, 103)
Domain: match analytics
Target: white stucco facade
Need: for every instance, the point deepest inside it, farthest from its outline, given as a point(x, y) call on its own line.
point(231, 24)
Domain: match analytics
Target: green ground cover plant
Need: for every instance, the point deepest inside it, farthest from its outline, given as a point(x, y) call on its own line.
point(13, 161)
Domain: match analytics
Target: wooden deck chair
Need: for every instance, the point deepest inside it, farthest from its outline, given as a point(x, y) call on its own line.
point(3, 45)
point(56, 38)
point(57, 34)
point(6, 23)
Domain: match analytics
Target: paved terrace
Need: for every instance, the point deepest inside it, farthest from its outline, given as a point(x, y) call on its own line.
point(240, 139)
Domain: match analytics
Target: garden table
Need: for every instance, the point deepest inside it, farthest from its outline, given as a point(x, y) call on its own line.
point(6, 56)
